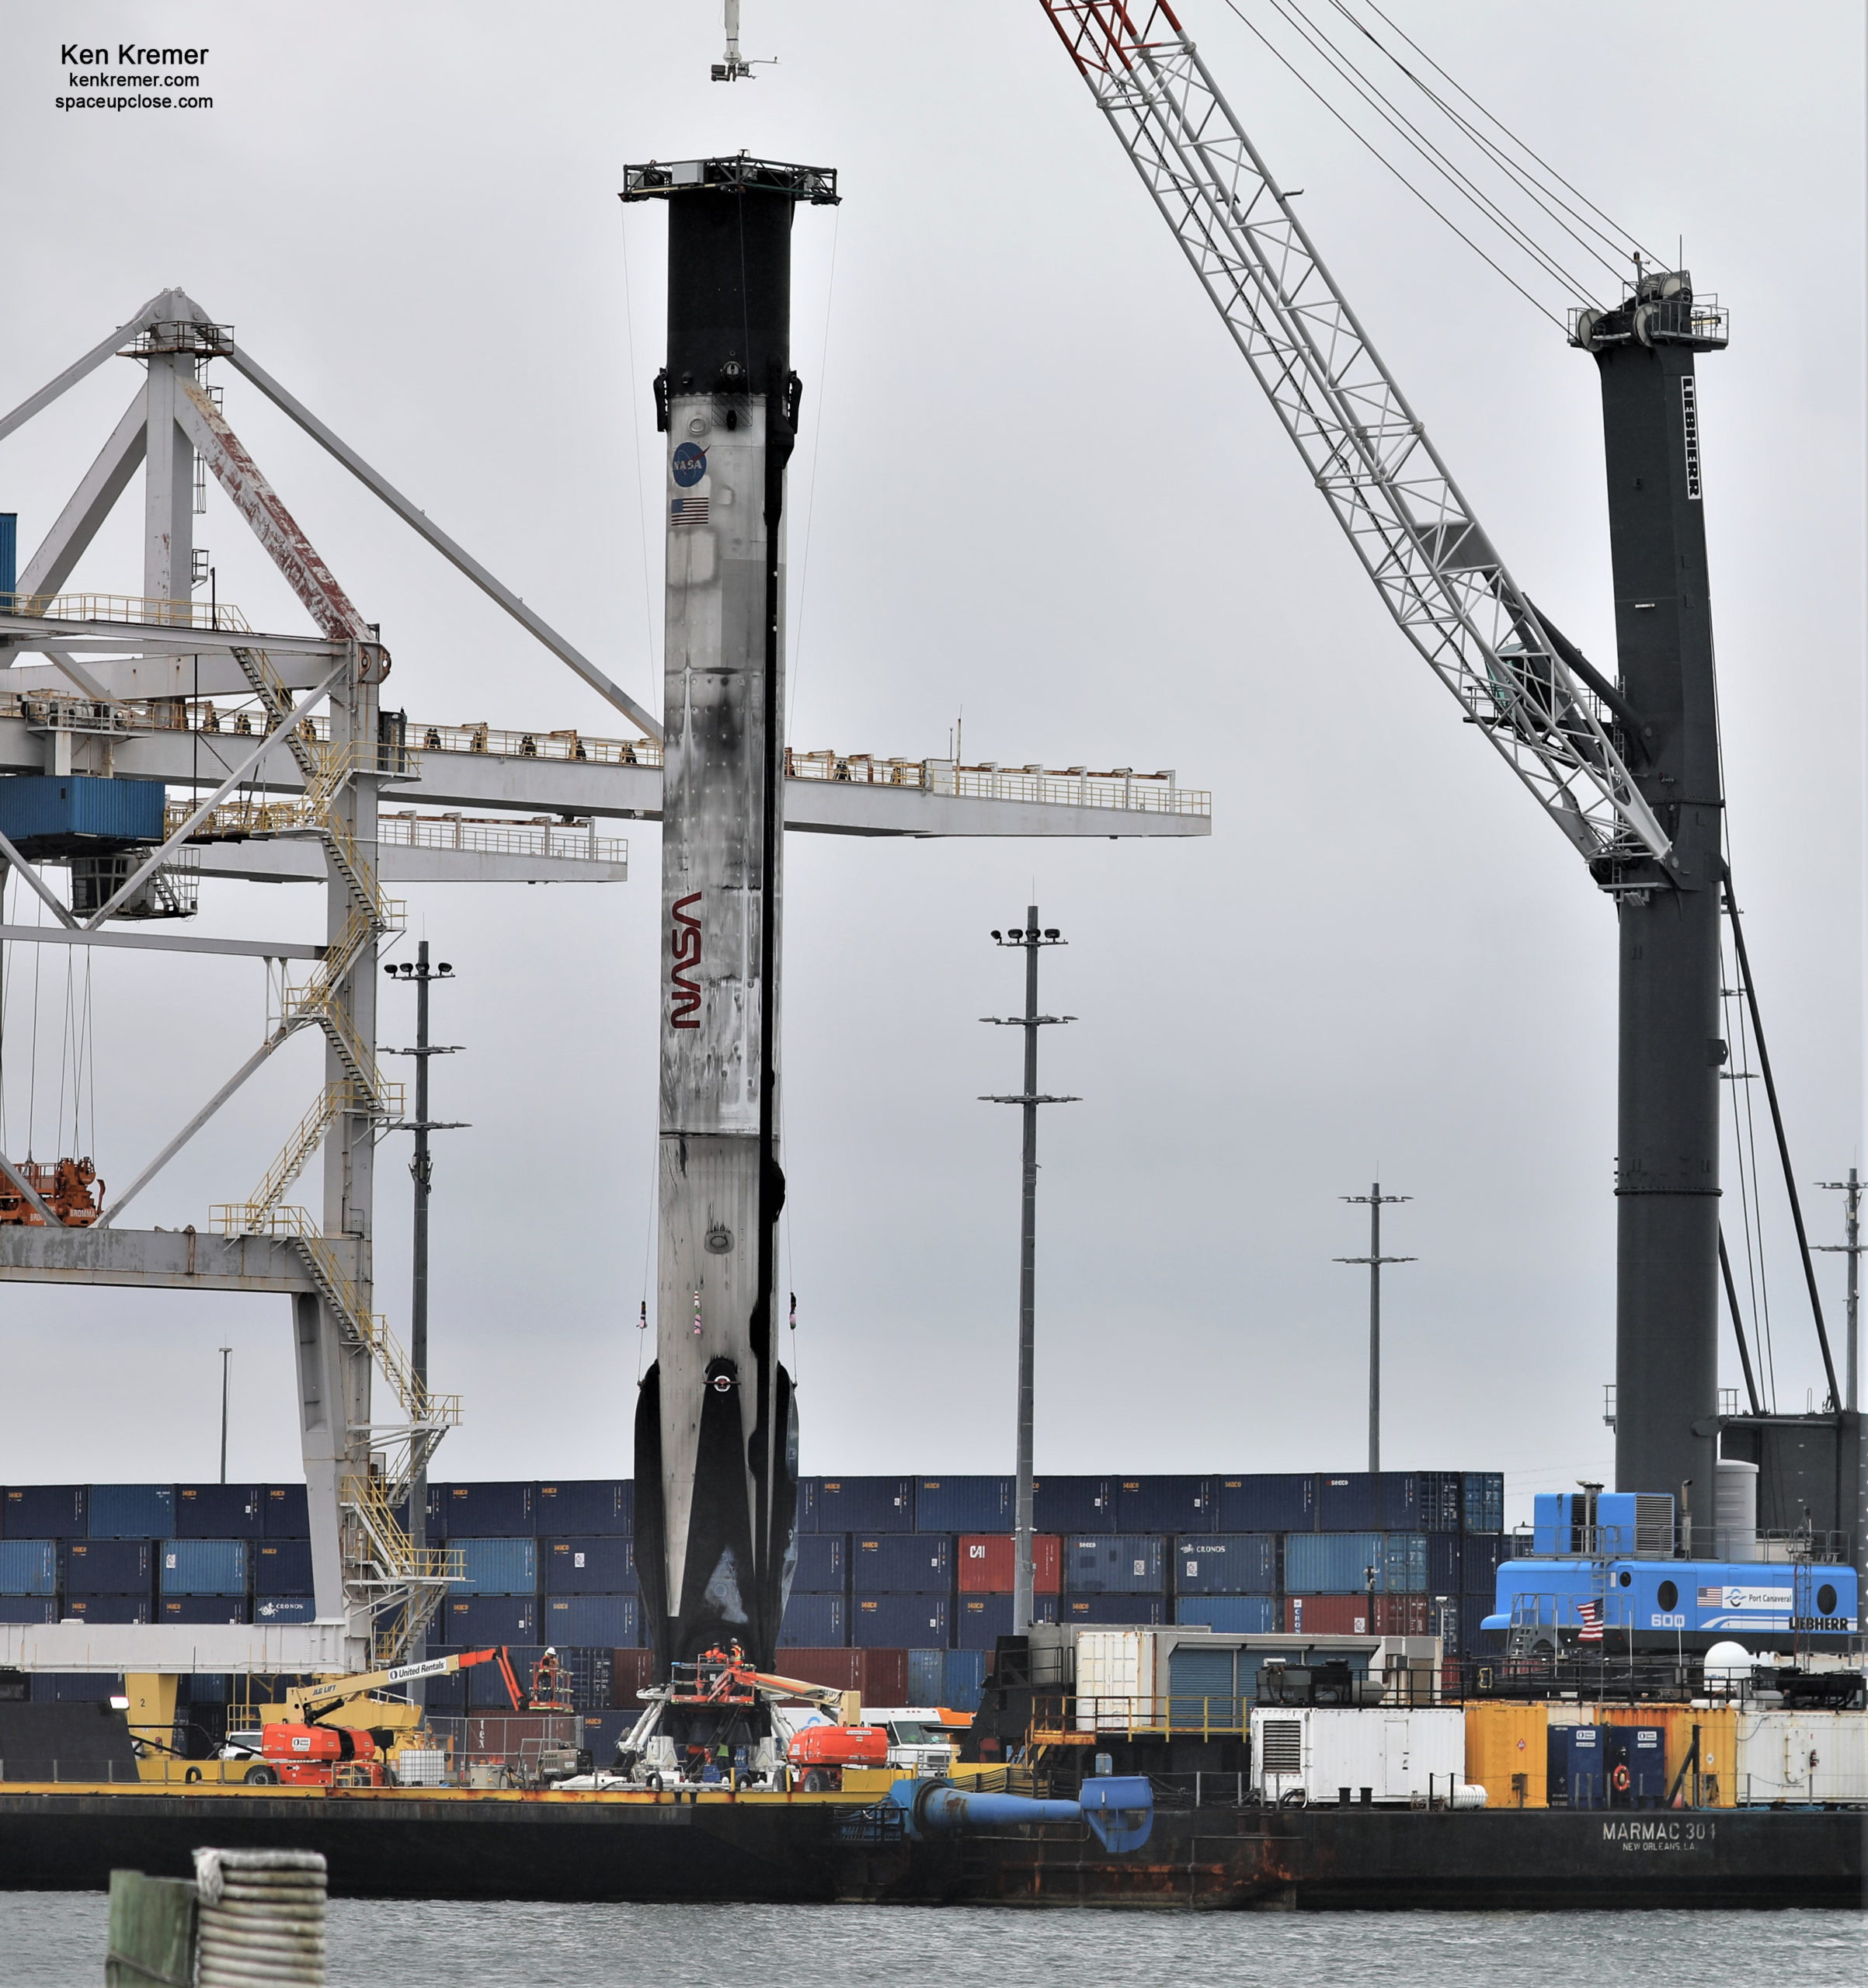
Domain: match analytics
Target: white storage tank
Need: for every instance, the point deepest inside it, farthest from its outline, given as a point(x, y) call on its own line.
point(1735, 1511)
point(1398, 1753)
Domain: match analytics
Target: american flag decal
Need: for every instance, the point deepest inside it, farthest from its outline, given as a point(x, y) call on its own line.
point(1590, 1614)
point(687, 510)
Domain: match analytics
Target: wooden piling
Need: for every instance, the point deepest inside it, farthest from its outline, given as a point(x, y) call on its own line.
point(152, 1931)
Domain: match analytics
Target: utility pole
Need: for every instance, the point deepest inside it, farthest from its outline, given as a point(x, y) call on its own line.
point(1851, 1247)
point(1375, 1200)
point(1031, 938)
point(227, 1354)
point(422, 1169)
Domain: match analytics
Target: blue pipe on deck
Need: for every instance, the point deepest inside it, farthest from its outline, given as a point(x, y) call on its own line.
point(1119, 1809)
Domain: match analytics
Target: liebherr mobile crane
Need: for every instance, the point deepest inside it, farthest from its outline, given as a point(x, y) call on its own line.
point(1628, 770)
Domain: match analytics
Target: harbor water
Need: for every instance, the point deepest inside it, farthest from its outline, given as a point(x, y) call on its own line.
point(51, 1939)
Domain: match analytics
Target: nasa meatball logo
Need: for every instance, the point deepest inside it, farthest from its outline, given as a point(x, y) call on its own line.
point(689, 465)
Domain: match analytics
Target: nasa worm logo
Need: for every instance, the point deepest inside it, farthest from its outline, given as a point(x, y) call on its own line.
point(684, 1008)
point(688, 465)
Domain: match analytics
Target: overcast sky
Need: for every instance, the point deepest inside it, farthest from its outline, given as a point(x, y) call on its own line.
point(1037, 485)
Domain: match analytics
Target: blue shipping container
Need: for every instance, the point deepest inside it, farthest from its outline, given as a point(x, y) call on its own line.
point(1267, 1501)
point(1337, 1562)
point(43, 1511)
point(1398, 1502)
point(28, 1567)
point(1226, 1563)
point(980, 1620)
point(282, 1566)
point(287, 1514)
point(109, 1567)
point(583, 1507)
point(1574, 1762)
point(814, 1622)
point(898, 1621)
point(1072, 1504)
point(277, 1608)
point(823, 1564)
point(1165, 1504)
point(1484, 1501)
point(1230, 1614)
point(62, 814)
point(1446, 1562)
point(220, 1511)
point(963, 1673)
point(1442, 1495)
point(497, 1566)
point(1483, 1552)
point(1115, 1611)
point(16, 1609)
point(597, 1564)
point(109, 1607)
point(592, 1621)
point(474, 1620)
point(202, 1608)
point(130, 1511)
point(204, 1566)
point(965, 1504)
point(1115, 1563)
point(481, 1511)
point(902, 1562)
point(856, 1504)
point(926, 1675)
point(1348, 1502)
point(80, 1687)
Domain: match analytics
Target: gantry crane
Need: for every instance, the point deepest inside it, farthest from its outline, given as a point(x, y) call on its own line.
point(1629, 772)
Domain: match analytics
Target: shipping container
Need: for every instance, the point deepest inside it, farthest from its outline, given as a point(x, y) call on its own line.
point(1115, 1563)
point(203, 1566)
point(610, 1619)
point(839, 1669)
point(1446, 1562)
point(481, 1511)
point(1230, 1614)
point(1267, 1501)
point(603, 1729)
point(474, 1620)
point(1113, 1608)
point(586, 1677)
point(1398, 1505)
point(1072, 1504)
point(1574, 1766)
point(287, 1514)
point(447, 1694)
point(220, 1511)
point(965, 1504)
point(595, 1565)
point(110, 1607)
point(43, 1511)
point(823, 1564)
point(1475, 1638)
point(814, 1622)
point(284, 1608)
point(28, 1567)
point(902, 1562)
point(109, 1567)
point(980, 1620)
point(899, 1622)
point(1481, 1554)
point(1507, 1752)
point(1443, 1496)
point(282, 1566)
point(18, 1610)
point(1329, 1754)
point(1327, 1615)
point(631, 1670)
point(1801, 1757)
point(1165, 1504)
point(926, 1675)
point(77, 814)
point(130, 1511)
point(1349, 1501)
point(202, 1609)
point(963, 1674)
point(1226, 1563)
point(1340, 1562)
point(856, 1504)
point(583, 1507)
point(1636, 1756)
point(503, 1565)
point(80, 1687)
point(987, 1562)
point(1484, 1501)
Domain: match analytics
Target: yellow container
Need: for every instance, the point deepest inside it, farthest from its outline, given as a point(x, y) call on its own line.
point(1718, 1746)
point(1506, 1752)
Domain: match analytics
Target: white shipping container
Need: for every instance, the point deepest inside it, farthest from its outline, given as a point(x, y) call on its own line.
point(1115, 1677)
point(1803, 1756)
point(1400, 1753)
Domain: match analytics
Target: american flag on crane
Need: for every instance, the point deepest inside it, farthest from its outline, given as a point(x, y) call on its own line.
point(1590, 1614)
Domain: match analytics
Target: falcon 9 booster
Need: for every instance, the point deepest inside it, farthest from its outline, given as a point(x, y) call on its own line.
point(716, 1441)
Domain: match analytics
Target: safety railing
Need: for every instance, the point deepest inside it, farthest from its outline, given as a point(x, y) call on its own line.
point(577, 840)
point(219, 616)
point(1075, 1719)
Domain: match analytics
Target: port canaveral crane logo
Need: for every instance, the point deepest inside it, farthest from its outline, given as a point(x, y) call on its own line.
point(684, 936)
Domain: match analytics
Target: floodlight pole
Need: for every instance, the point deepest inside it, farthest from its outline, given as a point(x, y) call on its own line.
point(1031, 938)
point(1376, 1201)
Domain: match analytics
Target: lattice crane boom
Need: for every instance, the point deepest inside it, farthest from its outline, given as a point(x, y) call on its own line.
point(1365, 449)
